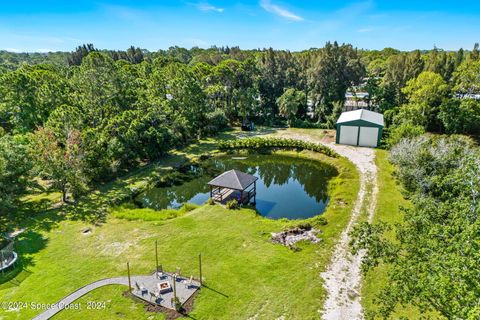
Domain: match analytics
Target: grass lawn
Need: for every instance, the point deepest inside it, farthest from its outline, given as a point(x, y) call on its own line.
point(246, 275)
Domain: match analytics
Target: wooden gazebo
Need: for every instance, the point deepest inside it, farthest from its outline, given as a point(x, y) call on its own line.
point(234, 184)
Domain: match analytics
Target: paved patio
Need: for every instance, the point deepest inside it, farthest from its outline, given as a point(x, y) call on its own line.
point(147, 288)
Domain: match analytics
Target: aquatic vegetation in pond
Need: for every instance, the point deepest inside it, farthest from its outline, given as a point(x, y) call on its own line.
point(288, 187)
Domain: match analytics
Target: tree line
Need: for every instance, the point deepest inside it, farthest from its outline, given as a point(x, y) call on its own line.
point(433, 255)
point(87, 116)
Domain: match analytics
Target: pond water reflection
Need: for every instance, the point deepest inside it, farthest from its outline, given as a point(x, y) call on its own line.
point(288, 187)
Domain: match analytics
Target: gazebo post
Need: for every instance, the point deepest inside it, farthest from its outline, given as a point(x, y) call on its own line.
point(255, 193)
point(129, 280)
point(156, 256)
point(175, 291)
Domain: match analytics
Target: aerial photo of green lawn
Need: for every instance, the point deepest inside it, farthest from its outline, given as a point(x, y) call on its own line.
point(250, 160)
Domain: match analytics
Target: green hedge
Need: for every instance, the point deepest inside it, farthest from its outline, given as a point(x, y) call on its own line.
point(274, 143)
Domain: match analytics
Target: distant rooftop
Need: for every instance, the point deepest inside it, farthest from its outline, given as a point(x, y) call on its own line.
point(361, 114)
point(233, 179)
point(358, 95)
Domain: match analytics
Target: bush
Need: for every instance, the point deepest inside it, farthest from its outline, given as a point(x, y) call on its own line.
point(306, 124)
point(215, 121)
point(460, 116)
point(274, 144)
point(232, 204)
point(405, 130)
point(211, 202)
point(319, 221)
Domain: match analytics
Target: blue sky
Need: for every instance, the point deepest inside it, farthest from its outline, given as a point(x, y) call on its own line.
point(282, 24)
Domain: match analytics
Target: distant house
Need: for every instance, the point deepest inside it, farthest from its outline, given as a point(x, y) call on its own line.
point(357, 100)
point(360, 128)
point(475, 96)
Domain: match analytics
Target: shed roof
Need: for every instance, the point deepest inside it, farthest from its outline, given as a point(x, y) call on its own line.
point(233, 179)
point(361, 114)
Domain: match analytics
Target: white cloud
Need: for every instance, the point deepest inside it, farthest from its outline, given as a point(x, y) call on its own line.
point(44, 50)
point(204, 6)
point(279, 11)
point(13, 50)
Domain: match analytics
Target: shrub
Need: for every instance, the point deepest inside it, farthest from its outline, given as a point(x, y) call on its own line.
point(405, 130)
point(211, 202)
point(232, 204)
point(319, 221)
point(304, 226)
point(216, 121)
point(460, 116)
point(274, 144)
point(306, 124)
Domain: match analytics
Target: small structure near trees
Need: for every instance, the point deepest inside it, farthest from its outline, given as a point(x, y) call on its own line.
point(8, 257)
point(234, 184)
point(165, 289)
point(360, 128)
point(247, 125)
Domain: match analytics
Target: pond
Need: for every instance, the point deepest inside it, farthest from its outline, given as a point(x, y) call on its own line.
point(288, 187)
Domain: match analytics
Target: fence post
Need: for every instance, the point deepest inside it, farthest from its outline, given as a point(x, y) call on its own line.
point(200, 265)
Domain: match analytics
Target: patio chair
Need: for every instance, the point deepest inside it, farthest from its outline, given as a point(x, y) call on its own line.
point(143, 289)
point(189, 282)
point(137, 286)
point(153, 295)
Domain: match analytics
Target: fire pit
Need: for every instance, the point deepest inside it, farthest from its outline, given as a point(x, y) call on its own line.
point(162, 290)
point(164, 286)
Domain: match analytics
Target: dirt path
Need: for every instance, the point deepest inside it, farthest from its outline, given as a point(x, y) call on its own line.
point(343, 277)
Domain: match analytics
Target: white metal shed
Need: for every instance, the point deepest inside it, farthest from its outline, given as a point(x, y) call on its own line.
point(360, 128)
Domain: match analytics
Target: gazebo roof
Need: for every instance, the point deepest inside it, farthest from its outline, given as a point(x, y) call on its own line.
point(233, 179)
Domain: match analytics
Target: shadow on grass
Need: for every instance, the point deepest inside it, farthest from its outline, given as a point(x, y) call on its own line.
point(260, 131)
point(216, 291)
point(43, 212)
point(26, 244)
point(14, 277)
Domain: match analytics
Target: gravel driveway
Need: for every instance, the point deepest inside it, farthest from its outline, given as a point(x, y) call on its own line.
point(343, 275)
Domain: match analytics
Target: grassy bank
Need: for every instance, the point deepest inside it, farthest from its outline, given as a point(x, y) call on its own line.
point(390, 200)
point(246, 274)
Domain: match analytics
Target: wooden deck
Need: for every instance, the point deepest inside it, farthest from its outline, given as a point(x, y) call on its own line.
point(235, 195)
point(147, 289)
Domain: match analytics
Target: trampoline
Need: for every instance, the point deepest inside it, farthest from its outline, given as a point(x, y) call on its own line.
point(8, 257)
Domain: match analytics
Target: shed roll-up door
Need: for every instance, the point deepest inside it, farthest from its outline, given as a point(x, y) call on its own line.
point(368, 137)
point(349, 135)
